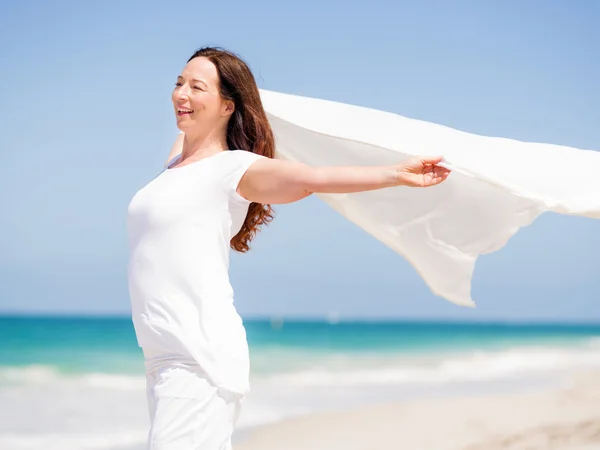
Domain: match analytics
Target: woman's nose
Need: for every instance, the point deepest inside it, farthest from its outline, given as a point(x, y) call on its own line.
point(182, 93)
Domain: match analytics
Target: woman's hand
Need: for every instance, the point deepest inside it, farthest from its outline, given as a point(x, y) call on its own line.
point(421, 171)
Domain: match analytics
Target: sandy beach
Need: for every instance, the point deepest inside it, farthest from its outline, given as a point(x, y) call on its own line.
point(566, 419)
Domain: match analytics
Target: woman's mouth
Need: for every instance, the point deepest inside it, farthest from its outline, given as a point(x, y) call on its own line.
point(184, 111)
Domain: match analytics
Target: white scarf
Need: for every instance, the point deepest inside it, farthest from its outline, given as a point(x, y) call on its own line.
point(497, 185)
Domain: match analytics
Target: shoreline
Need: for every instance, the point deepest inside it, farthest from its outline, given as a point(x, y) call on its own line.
point(566, 418)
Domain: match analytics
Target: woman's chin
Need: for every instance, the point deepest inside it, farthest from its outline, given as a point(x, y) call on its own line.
point(183, 124)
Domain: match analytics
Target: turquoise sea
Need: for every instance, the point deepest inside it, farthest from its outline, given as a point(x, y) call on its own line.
point(77, 383)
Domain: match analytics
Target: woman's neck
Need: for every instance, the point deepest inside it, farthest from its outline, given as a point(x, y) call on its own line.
point(198, 146)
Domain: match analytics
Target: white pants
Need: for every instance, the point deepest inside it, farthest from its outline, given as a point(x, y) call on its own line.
point(188, 413)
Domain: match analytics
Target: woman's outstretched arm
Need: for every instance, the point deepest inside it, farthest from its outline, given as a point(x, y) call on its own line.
point(272, 181)
point(176, 148)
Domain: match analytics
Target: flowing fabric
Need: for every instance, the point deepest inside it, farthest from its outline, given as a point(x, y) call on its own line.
point(497, 186)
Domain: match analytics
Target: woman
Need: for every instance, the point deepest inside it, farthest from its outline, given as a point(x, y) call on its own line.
point(215, 194)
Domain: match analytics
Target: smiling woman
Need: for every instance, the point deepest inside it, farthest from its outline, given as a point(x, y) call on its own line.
point(215, 195)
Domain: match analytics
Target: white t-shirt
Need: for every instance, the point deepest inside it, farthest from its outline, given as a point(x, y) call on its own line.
point(180, 226)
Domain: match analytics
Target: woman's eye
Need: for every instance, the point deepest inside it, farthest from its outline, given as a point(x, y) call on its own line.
point(177, 83)
point(198, 88)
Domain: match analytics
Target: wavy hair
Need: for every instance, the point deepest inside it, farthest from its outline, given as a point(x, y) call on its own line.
point(248, 128)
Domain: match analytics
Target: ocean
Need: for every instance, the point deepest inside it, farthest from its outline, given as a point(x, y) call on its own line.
point(77, 383)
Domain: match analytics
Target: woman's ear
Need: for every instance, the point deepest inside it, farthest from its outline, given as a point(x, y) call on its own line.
point(229, 107)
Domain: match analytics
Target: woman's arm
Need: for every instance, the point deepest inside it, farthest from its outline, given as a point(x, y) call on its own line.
point(272, 181)
point(176, 149)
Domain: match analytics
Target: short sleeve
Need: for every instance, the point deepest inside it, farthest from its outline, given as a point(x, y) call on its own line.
point(240, 161)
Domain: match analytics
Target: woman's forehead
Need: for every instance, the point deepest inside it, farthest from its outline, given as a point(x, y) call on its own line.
point(201, 69)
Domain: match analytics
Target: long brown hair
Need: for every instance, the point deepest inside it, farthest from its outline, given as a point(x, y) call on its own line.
point(248, 128)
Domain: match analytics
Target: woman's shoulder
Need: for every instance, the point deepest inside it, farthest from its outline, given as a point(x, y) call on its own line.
point(243, 156)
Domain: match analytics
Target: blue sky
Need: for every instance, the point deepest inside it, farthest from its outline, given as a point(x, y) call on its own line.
point(85, 121)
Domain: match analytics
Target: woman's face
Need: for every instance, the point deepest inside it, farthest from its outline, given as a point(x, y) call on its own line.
point(196, 98)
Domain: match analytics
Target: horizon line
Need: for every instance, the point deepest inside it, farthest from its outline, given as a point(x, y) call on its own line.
point(338, 319)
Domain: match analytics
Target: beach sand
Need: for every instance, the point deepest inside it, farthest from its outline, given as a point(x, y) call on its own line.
point(567, 419)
